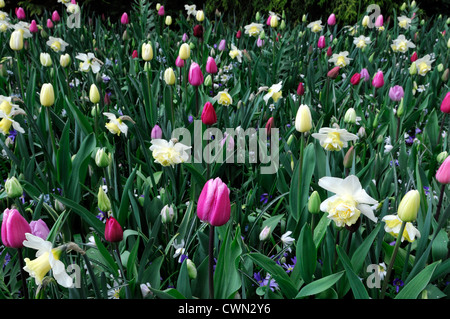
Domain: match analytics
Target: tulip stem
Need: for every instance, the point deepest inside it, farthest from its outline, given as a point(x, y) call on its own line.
point(22, 274)
point(391, 262)
point(439, 204)
point(440, 130)
point(211, 262)
point(50, 129)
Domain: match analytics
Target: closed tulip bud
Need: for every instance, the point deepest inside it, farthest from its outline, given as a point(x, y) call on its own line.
point(274, 22)
point(269, 125)
point(413, 4)
point(378, 80)
point(304, 18)
point(55, 16)
point(134, 55)
point(314, 203)
point(361, 132)
point(355, 79)
point(222, 45)
point(265, 233)
point(282, 25)
point(208, 81)
point(379, 21)
point(39, 228)
point(414, 57)
point(161, 11)
point(169, 76)
point(47, 96)
point(158, 5)
point(13, 188)
point(257, 16)
point(350, 116)
point(211, 66)
point(185, 51)
point(49, 23)
point(124, 18)
point(208, 116)
point(198, 31)
point(33, 27)
point(64, 60)
point(179, 62)
point(334, 72)
point(147, 51)
point(409, 206)
point(413, 69)
point(401, 108)
point(348, 158)
point(104, 204)
point(156, 132)
point(14, 228)
point(321, 42)
point(200, 16)
point(102, 159)
point(300, 89)
point(448, 44)
point(365, 21)
point(290, 140)
point(3, 70)
point(445, 75)
point(403, 6)
point(213, 204)
point(192, 270)
point(331, 19)
point(20, 13)
point(396, 93)
point(45, 59)
point(329, 52)
point(167, 214)
point(2, 3)
point(168, 20)
point(16, 40)
point(371, 57)
point(195, 76)
point(440, 67)
point(441, 157)
point(303, 120)
point(147, 67)
point(445, 105)
point(94, 95)
point(191, 45)
point(113, 230)
point(238, 34)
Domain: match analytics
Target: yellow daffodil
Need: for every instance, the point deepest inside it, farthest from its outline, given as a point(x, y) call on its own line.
point(333, 139)
point(169, 153)
point(340, 59)
point(116, 125)
point(315, 26)
point(274, 92)
point(57, 44)
point(393, 225)
point(361, 42)
point(223, 98)
point(424, 65)
point(235, 53)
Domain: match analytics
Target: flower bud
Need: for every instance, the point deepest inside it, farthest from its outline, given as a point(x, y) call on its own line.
point(13, 188)
point(200, 16)
point(94, 95)
point(113, 230)
point(441, 157)
point(413, 69)
point(303, 119)
point(265, 233)
point(443, 173)
point(169, 76)
point(14, 228)
point(211, 66)
point(104, 204)
point(147, 51)
point(333, 73)
point(156, 132)
point(214, 203)
point(192, 270)
point(445, 75)
point(185, 51)
point(102, 159)
point(45, 59)
point(47, 96)
point(401, 108)
point(409, 206)
point(64, 60)
point(361, 132)
point(348, 158)
point(314, 203)
point(167, 214)
point(195, 75)
point(350, 116)
point(445, 105)
point(39, 228)
point(300, 89)
point(355, 79)
point(378, 80)
point(168, 20)
point(208, 116)
point(16, 40)
point(208, 80)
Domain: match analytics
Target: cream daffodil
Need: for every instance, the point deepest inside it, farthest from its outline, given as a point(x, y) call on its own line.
point(169, 153)
point(47, 258)
point(57, 44)
point(235, 53)
point(4, 26)
point(424, 64)
point(8, 111)
point(404, 22)
point(361, 42)
point(334, 139)
point(340, 59)
point(4, 16)
point(393, 225)
point(24, 27)
point(349, 202)
point(190, 9)
point(223, 98)
point(274, 92)
point(116, 124)
point(88, 62)
point(315, 26)
point(401, 44)
point(253, 29)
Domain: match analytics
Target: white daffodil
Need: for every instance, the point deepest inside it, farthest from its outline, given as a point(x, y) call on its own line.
point(72, 8)
point(401, 44)
point(424, 64)
point(88, 62)
point(274, 93)
point(4, 26)
point(340, 59)
point(286, 239)
point(190, 9)
point(57, 44)
point(116, 125)
point(315, 26)
point(404, 22)
point(253, 29)
point(47, 258)
point(393, 224)
point(169, 152)
point(235, 53)
point(333, 139)
point(24, 27)
point(4, 16)
point(223, 98)
point(361, 42)
point(350, 201)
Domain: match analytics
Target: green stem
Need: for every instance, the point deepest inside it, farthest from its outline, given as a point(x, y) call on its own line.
point(211, 262)
point(391, 263)
point(22, 274)
point(50, 129)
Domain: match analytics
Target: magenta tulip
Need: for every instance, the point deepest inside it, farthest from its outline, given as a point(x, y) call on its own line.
point(195, 76)
point(378, 80)
point(20, 13)
point(414, 57)
point(33, 27)
point(268, 20)
point(14, 228)
point(355, 79)
point(214, 203)
point(124, 19)
point(300, 89)
point(179, 62)
point(156, 132)
point(443, 173)
point(113, 230)
point(321, 42)
point(211, 66)
point(445, 105)
point(161, 11)
point(39, 228)
point(331, 19)
point(49, 23)
point(55, 16)
point(209, 116)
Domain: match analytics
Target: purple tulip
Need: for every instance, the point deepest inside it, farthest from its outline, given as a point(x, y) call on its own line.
point(365, 75)
point(39, 228)
point(213, 204)
point(156, 132)
point(396, 93)
point(222, 45)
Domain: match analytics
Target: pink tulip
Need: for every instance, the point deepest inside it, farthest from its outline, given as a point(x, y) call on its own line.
point(268, 20)
point(321, 42)
point(378, 80)
point(20, 13)
point(222, 45)
point(185, 37)
point(414, 57)
point(213, 204)
point(445, 105)
point(55, 16)
point(14, 228)
point(443, 173)
point(39, 228)
point(124, 19)
point(49, 23)
point(334, 72)
point(156, 132)
point(365, 75)
point(332, 19)
point(396, 93)
point(195, 76)
point(211, 66)
point(113, 230)
point(355, 79)
point(329, 52)
point(135, 54)
point(161, 11)
point(33, 27)
point(209, 116)
point(379, 21)
point(179, 62)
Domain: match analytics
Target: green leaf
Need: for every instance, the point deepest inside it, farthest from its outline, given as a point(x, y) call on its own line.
point(363, 249)
point(319, 285)
point(183, 283)
point(359, 291)
point(418, 283)
point(306, 254)
point(107, 259)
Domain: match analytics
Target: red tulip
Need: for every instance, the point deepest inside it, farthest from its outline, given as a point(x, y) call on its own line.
point(355, 79)
point(209, 116)
point(14, 228)
point(334, 72)
point(198, 31)
point(414, 57)
point(213, 204)
point(300, 89)
point(270, 123)
point(238, 34)
point(113, 230)
point(329, 52)
point(135, 54)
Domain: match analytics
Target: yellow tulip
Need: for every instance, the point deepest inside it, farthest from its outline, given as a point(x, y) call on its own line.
point(409, 206)
point(16, 40)
point(47, 96)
